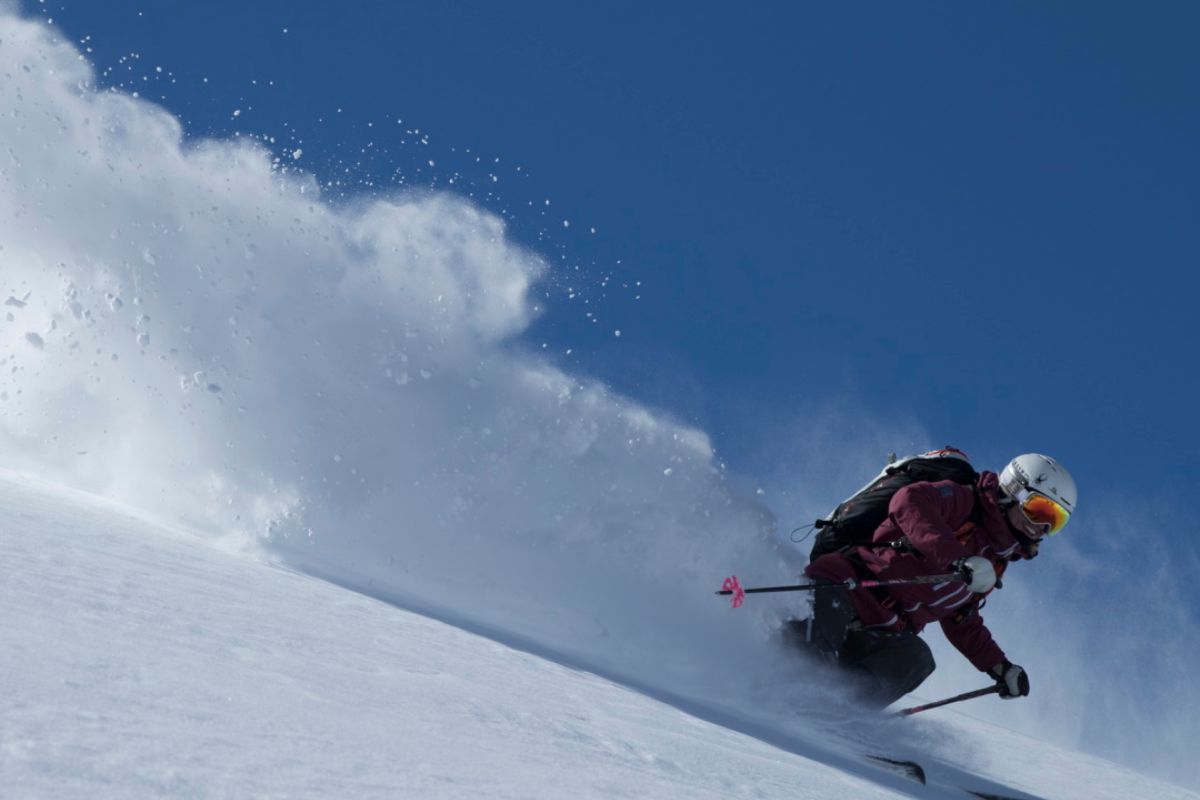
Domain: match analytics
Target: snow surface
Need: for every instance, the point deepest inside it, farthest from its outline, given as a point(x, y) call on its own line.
point(138, 661)
point(342, 389)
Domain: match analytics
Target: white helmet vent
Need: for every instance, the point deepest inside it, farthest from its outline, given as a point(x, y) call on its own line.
point(1042, 474)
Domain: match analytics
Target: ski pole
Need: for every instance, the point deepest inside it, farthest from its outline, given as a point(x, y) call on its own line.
point(956, 699)
point(733, 587)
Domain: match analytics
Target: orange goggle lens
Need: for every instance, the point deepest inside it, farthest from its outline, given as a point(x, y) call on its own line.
point(1041, 510)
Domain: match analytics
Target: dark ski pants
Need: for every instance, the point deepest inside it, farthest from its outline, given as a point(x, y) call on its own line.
point(883, 666)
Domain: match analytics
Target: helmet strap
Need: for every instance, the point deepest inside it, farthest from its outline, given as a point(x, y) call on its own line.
point(1029, 546)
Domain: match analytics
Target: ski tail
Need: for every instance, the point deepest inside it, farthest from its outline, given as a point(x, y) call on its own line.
point(909, 769)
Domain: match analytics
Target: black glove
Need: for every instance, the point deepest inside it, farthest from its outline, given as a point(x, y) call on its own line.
point(1011, 679)
point(977, 572)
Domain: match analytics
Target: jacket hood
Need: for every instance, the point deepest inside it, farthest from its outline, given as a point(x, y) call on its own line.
point(992, 521)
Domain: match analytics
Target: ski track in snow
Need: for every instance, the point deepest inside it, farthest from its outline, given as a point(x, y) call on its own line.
point(137, 661)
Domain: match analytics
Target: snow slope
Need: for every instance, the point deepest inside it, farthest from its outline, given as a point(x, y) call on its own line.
point(138, 661)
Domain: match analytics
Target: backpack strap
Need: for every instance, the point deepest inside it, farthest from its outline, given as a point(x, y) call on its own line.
point(967, 529)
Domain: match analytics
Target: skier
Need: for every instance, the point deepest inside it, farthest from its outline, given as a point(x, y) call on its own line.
point(933, 528)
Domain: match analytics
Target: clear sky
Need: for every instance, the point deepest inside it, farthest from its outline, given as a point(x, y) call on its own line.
point(979, 220)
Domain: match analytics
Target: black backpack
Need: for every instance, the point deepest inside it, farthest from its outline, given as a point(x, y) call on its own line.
point(855, 520)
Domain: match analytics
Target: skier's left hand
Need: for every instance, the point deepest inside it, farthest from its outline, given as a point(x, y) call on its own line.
point(1013, 680)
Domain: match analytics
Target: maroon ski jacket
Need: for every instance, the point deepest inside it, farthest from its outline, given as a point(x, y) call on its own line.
point(941, 524)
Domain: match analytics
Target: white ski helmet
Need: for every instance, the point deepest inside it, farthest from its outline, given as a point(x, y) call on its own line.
point(1033, 479)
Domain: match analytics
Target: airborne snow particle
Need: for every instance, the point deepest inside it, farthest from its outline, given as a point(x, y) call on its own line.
point(668, 472)
point(35, 340)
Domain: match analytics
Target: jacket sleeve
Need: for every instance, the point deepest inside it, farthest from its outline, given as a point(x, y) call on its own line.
point(921, 511)
point(972, 638)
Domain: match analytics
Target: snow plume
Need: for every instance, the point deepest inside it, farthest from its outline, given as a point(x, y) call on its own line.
point(191, 332)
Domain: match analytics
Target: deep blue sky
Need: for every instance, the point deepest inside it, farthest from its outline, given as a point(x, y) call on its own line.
point(979, 217)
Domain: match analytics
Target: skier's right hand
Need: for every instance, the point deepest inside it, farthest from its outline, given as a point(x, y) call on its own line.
point(977, 572)
point(1012, 680)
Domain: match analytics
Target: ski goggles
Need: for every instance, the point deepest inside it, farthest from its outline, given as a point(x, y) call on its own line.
point(1044, 512)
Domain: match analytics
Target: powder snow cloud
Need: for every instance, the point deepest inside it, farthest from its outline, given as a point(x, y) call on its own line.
point(192, 331)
